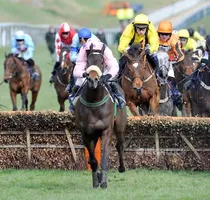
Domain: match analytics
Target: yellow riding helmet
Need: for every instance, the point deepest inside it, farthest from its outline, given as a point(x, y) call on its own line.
point(183, 33)
point(165, 27)
point(141, 19)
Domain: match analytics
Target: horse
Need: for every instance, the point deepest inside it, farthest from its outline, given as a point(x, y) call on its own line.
point(139, 83)
point(166, 105)
point(62, 77)
point(200, 98)
point(182, 72)
point(17, 73)
point(97, 116)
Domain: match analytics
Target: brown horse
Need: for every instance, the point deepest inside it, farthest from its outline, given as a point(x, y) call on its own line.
point(16, 72)
point(182, 71)
point(139, 83)
point(97, 116)
point(62, 77)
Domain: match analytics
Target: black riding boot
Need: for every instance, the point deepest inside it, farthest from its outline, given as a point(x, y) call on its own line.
point(71, 84)
point(33, 73)
point(122, 63)
point(176, 95)
point(57, 64)
point(75, 93)
point(118, 94)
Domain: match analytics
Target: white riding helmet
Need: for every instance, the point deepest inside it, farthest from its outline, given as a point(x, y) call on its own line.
point(19, 35)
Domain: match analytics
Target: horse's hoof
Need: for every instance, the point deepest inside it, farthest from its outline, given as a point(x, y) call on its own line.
point(103, 185)
point(96, 185)
point(99, 175)
point(121, 169)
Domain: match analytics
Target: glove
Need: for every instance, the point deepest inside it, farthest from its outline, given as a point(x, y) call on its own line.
point(196, 58)
point(85, 75)
point(105, 78)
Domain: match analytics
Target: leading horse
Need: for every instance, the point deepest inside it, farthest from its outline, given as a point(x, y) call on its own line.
point(97, 116)
point(17, 73)
point(62, 77)
point(139, 83)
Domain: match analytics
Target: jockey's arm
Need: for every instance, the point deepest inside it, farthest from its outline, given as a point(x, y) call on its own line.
point(57, 46)
point(13, 46)
point(74, 50)
point(178, 52)
point(112, 66)
point(125, 38)
point(81, 62)
point(153, 39)
point(30, 48)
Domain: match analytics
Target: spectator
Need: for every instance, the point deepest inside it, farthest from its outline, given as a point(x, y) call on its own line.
point(101, 36)
point(50, 40)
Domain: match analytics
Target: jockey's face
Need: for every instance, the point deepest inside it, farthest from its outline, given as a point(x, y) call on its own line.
point(141, 31)
point(82, 41)
point(20, 42)
point(65, 35)
point(183, 41)
point(164, 36)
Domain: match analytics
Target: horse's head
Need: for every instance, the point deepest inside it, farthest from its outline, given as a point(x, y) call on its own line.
point(64, 59)
point(136, 63)
point(95, 66)
point(11, 66)
point(187, 66)
point(164, 65)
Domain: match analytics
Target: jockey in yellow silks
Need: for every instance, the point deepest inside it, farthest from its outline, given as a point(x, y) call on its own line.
point(138, 31)
point(187, 43)
point(197, 37)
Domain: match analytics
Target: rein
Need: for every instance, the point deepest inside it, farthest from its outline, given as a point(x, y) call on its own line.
point(96, 104)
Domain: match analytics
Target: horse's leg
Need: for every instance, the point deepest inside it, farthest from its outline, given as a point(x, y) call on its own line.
point(61, 102)
point(105, 156)
point(154, 104)
point(14, 100)
point(24, 101)
point(90, 145)
point(34, 98)
point(133, 109)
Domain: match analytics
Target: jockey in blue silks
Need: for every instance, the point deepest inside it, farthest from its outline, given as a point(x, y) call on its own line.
point(83, 35)
point(22, 44)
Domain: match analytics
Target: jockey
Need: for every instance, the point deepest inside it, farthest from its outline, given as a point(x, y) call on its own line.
point(169, 42)
point(202, 58)
point(22, 44)
point(187, 43)
point(138, 31)
point(111, 71)
point(197, 37)
point(63, 38)
point(79, 39)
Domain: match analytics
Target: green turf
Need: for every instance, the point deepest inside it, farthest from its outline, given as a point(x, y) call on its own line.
point(81, 12)
point(131, 185)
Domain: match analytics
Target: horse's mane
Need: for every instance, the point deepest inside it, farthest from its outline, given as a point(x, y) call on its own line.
point(11, 55)
point(134, 50)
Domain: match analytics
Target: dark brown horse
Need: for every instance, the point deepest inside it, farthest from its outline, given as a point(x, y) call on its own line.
point(16, 72)
point(182, 71)
point(97, 116)
point(62, 77)
point(139, 83)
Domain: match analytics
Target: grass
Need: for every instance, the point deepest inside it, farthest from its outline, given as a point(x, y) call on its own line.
point(80, 12)
point(131, 185)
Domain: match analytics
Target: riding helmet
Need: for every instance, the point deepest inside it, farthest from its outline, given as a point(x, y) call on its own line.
point(84, 33)
point(19, 35)
point(64, 27)
point(183, 33)
point(165, 27)
point(141, 21)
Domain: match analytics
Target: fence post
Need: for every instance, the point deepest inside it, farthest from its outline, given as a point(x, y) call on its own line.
point(28, 139)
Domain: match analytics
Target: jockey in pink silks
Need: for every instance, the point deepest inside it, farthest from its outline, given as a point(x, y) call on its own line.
point(110, 72)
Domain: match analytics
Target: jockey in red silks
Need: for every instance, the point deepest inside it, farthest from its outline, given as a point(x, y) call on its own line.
point(63, 38)
point(110, 72)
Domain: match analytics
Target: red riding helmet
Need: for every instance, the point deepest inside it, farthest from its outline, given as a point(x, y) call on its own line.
point(64, 27)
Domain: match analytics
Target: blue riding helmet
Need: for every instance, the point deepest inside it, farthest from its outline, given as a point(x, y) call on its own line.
point(84, 33)
point(19, 35)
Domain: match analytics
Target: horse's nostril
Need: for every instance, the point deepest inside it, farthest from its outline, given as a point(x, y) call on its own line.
point(96, 79)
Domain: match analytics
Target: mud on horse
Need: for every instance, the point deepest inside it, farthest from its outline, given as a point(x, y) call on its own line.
point(103, 119)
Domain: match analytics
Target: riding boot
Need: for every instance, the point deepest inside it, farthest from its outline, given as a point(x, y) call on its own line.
point(118, 94)
point(154, 62)
point(71, 84)
point(176, 95)
point(31, 66)
point(122, 63)
point(75, 93)
point(57, 64)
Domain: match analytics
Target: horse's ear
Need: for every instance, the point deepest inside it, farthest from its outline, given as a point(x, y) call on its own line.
point(91, 47)
point(103, 48)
